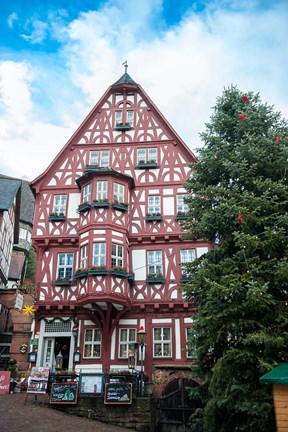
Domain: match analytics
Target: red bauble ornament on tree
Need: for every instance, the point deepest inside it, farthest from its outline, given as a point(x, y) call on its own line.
point(242, 117)
point(240, 218)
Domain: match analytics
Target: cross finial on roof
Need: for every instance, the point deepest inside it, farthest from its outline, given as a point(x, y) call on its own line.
point(125, 64)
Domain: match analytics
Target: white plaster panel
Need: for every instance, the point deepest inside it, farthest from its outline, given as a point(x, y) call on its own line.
point(188, 320)
point(113, 344)
point(128, 321)
point(88, 322)
point(139, 263)
point(168, 191)
point(52, 182)
point(168, 206)
point(161, 320)
point(117, 234)
point(73, 202)
point(98, 232)
point(201, 251)
point(177, 339)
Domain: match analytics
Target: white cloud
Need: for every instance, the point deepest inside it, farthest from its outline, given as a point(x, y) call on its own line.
point(38, 31)
point(11, 19)
point(183, 70)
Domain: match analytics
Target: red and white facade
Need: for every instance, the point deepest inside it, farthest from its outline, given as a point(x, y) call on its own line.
point(109, 241)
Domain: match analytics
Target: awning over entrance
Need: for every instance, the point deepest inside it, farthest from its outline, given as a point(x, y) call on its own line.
point(278, 375)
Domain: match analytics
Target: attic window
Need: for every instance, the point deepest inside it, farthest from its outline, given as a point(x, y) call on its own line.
point(124, 119)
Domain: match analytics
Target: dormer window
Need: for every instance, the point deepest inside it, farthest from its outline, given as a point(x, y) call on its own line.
point(130, 118)
point(59, 206)
point(124, 120)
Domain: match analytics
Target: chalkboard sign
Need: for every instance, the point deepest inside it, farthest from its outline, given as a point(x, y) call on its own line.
point(64, 393)
point(118, 393)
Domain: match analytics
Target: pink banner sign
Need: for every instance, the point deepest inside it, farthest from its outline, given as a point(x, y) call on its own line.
point(5, 382)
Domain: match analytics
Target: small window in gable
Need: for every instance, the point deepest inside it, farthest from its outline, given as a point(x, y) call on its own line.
point(59, 205)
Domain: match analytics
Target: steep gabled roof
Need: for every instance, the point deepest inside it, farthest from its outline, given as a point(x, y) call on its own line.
point(8, 191)
point(125, 79)
point(125, 82)
point(9, 187)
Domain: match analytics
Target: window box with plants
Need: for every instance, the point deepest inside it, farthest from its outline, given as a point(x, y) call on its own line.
point(153, 217)
point(100, 203)
point(155, 278)
point(182, 216)
point(122, 126)
point(131, 278)
point(91, 168)
point(83, 207)
point(63, 281)
point(81, 273)
point(98, 271)
point(185, 278)
point(142, 164)
point(56, 217)
point(120, 206)
point(119, 271)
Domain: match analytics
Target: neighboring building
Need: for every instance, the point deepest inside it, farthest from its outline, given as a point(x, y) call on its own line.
point(109, 242)
point(16, 222)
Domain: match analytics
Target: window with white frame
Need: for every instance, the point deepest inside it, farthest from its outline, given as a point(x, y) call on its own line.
point(162, 342)
point(65, 265)
point(92, 343)
point(118, 194)
point(130, 118)
point(126, 339)
point(146, 155)
point(182, 207)
point(117, 255)
point(186, 256)
point(87, 193)
point(154, 204)
point(99, 158)
point(118, 118)
point(102, 190)
point(84, 256)
point(155, 262)
point(59, 205)
point(190, 349)
point(99, 254)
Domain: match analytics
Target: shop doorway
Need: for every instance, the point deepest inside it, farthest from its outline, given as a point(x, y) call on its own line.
point(62, 344)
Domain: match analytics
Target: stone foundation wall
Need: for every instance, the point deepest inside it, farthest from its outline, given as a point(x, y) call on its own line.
point(140, 415)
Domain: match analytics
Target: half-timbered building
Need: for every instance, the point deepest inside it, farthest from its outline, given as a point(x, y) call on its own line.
point(109, 242)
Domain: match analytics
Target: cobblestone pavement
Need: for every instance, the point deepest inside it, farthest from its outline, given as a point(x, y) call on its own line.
point(35, 416)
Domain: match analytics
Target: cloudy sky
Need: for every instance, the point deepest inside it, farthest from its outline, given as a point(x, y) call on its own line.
point(58, 57)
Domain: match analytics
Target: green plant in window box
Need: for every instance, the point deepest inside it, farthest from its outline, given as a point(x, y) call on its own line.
point(81, 272)
point(98, 270)
point(54, 216)
point(118, 271)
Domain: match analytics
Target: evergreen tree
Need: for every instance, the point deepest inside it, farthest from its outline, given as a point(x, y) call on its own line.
point(238, 200)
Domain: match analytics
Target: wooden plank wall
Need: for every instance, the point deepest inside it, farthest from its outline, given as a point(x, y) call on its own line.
point(280, 396)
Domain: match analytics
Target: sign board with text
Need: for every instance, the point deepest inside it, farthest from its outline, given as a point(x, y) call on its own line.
point(5, 382)
point(38, 380)
point(118, 393)
point(64, 393)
